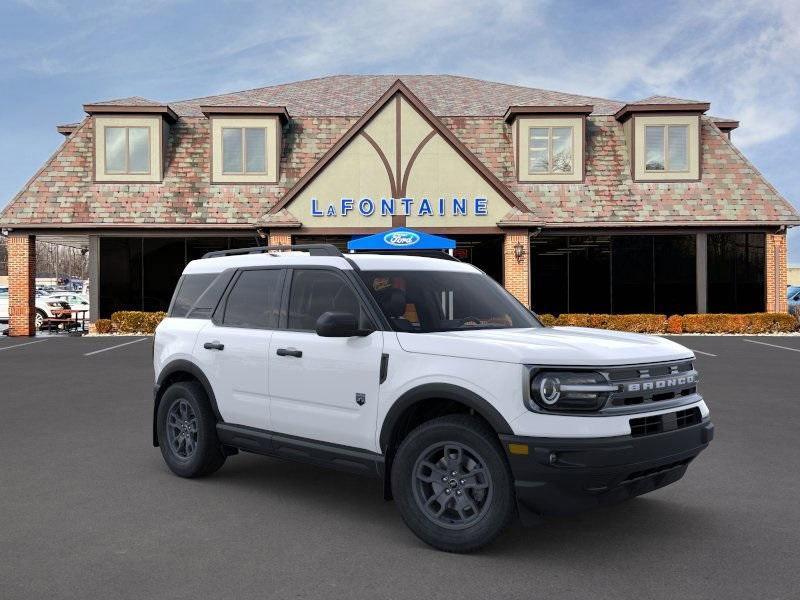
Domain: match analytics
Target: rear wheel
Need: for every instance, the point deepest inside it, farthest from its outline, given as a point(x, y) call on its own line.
point(187, 432)
point(452, 483)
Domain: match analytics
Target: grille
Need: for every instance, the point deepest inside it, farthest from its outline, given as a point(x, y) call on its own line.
point(667, 422)
point(647, 384)
point(635, 476)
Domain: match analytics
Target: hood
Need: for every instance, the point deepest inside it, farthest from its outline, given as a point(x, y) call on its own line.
point(563, 346)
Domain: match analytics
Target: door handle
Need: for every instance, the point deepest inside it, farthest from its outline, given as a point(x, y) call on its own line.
point(289, 352)
point(215, 345)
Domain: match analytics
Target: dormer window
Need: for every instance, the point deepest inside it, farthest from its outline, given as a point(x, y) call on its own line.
point(245, 143)
point(244, 150)
point(666, 148)
point(127, 150)
point(548, 142)
point(550, 150)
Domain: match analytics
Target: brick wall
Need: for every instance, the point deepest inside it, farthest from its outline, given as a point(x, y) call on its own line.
point(776, 273)
point(280, 237)
point(516, 274)
point(21, 284)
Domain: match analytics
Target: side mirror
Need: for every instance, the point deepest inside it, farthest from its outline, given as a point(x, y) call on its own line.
point(339, 324)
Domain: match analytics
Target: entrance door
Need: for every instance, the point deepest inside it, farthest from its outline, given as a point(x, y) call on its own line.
point(324, 388)
point(233, 350)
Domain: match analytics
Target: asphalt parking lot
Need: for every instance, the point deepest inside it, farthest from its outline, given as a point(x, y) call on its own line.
point(89, 510)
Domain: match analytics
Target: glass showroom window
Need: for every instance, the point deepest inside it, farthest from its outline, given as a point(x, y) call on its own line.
point(244, 150)
point(550, 150)
point(666, 148)
point(127, 150)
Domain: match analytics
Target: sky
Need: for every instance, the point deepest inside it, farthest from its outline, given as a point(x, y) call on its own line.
point(742, 56)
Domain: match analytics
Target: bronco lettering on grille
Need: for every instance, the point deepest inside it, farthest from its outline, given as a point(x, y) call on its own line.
point(660, 384)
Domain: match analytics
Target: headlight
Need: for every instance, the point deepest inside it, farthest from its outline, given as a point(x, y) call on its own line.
point(570, 390)
point(53, 304)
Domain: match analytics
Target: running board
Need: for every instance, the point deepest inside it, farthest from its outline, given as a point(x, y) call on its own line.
point(333, 456)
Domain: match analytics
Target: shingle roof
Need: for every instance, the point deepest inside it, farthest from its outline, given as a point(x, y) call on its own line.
point(130, 101)
point(352, 95)
point(665, 100)
point(63, 193)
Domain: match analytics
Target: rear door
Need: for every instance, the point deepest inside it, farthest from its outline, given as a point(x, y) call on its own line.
point(324, 388)
point(232, 348)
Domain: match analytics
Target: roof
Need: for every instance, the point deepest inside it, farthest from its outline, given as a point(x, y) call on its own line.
point(63, 194)
point(352, 95)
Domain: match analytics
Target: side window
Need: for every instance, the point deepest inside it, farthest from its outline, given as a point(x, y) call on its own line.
point(317, 291)
point(254, 301)
point(189, 291)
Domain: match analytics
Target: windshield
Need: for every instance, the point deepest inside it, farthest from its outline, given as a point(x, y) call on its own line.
point(428, 301)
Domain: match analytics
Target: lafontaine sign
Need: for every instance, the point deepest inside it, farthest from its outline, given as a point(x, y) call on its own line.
point(422, 207)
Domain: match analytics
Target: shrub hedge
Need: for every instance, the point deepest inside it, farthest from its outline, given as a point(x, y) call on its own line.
point(136, 321)
point(707, 323)
point(103, 326)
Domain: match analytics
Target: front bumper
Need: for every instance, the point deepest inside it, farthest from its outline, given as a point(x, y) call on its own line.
point(560, 476)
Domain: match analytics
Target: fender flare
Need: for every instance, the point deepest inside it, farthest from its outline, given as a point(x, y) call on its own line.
point(182, 366)
point(444, 391)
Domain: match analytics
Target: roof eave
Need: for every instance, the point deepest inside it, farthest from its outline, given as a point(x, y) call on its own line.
point(131, 109)
point(279, 111)
point(630, 109)
point(576, 109)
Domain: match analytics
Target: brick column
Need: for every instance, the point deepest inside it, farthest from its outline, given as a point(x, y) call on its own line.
point(21, 284)
point(516, 273)
point(775, 273)
point(280, 237)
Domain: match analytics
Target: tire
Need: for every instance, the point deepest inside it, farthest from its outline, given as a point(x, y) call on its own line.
point(39, 318)
point(190, 447)
point(480, 502)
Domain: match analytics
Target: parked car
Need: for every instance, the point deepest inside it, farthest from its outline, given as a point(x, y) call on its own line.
point(423, 372)
point(793, 296)
point(76, 301)
point(45, 306)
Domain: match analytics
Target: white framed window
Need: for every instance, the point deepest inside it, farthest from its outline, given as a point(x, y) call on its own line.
point(244, 150)
point(550, 150)
point(666, 148)
point(127, 150)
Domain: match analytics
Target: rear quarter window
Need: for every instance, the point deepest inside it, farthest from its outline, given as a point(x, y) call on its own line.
point(189, 289)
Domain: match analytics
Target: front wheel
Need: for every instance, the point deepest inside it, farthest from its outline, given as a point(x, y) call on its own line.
point(187, 431)
point(452, 484)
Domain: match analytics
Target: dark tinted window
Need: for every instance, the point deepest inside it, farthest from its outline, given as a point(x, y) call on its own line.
point(425, 301)
point(191, 286)
point(316, 291)
point(736, 272)
point(254, 300)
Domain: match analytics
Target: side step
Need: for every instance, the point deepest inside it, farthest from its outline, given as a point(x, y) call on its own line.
point(333, 456)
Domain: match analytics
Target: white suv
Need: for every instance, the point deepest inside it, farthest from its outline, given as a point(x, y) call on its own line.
point(423, 372)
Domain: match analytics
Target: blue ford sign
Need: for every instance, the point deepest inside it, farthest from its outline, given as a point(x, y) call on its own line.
point(401, 239)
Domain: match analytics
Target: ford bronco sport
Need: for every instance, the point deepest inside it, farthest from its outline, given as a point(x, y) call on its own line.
point(426, 373)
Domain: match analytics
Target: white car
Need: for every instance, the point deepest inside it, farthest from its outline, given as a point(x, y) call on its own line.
point(423, 372)
point(75, 300)
point(47, 307)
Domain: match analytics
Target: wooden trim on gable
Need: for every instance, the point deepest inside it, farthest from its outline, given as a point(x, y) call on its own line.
point(398, 87)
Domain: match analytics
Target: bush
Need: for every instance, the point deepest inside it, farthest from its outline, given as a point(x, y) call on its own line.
point(707, 323)
point(675, 324)
point(136, 321)
point(103, 326)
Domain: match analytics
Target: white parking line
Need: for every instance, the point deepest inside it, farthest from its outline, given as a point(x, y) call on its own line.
point(115, 347)
point(772, 345)
point(20, 345)
point(701, 352)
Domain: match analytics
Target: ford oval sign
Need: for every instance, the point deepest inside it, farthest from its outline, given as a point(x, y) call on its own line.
point(401, 239)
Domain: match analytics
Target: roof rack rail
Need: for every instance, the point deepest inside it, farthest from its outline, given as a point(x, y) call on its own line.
point(312, 249)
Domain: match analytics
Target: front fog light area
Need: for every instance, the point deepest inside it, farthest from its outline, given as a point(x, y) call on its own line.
point(570, 390)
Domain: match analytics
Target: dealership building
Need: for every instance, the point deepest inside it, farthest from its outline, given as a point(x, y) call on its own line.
point(573, 203)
